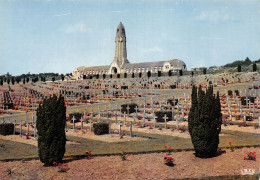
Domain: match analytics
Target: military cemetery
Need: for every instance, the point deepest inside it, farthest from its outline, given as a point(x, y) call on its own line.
point(149, 120)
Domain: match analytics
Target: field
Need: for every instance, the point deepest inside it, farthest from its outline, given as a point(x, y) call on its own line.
point(145, 149)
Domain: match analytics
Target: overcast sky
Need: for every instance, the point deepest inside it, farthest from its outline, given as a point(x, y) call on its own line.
point(58, 36)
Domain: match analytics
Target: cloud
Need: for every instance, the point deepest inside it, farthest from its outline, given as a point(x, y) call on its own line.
point(214, 16)
point(64, 14)
point(154, 49)
point(78, 28)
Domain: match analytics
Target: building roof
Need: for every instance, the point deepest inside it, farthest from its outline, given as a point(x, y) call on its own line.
point(173, 62)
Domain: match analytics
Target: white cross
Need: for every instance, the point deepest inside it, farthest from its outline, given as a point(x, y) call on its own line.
point(165, 120)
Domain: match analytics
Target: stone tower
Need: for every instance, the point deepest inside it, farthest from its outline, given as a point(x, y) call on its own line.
point(120, 51)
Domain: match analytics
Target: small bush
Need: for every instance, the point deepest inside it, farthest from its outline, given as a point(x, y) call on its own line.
point(171, 101)
point(173, 86)
point(6, 129)
point(77, 117)
point(100, 128)
point(230, 92)
point(243, 100)
point(160, 115)
point(236, 92)
point(131, 106)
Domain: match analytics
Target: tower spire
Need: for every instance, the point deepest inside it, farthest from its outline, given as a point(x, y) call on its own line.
point(120, 52)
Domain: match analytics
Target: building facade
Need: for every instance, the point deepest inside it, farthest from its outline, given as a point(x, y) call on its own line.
point(121, 64)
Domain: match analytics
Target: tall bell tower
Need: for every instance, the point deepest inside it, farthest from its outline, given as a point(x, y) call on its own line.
point(120, 51)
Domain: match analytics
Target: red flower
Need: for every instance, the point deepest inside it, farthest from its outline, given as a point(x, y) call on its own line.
point(229, 143)
point(169, 147)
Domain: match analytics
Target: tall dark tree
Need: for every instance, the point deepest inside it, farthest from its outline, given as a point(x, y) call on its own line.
point(239, 68)
point(254, 67)
point(149, 74)
point(27, 80)
point(51, 120)
point(53, 79)
point(62, 77)
point(170, 73)
point(8, 81)
point(12, 81)
point(180, 72)
point(204, 71)
point(204, 122)
point(159, 73)
point(23, 80)
point(1, 82)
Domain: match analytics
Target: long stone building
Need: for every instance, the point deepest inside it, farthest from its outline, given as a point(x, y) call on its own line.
point(121, 64)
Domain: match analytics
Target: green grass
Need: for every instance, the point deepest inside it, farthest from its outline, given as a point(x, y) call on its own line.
point(153, 143)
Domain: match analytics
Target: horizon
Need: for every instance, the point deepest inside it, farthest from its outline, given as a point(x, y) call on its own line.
point(58, 36)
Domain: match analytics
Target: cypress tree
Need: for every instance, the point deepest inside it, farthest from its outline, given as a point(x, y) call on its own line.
point(51, 119)
point(239, 68)
point(254, 67)
point(204, 122)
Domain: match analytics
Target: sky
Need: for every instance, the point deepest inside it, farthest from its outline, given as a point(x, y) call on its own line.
point(40, 36)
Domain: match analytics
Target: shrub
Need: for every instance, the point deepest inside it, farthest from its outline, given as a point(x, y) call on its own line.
point(173, 86)
point(160, 115)
point(230, 92)
point(100, 128)
point(172, 103)
point(131, 106)
point(243, 100)
point(51, 119)
point(6, 129)
point(204, 122)
point(236, 92)
point(77, 117)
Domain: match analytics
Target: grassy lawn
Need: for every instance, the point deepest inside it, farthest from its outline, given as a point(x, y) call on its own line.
point(154, 142)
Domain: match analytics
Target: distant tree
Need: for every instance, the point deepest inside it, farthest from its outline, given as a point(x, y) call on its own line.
point(62, 77)
point(192, 73)
point(17, 80)
point(44, 79)
point(149, 74)
point(8, 81)
point(159, 73)
point(247, 61)
point(239, 68)
point(170, 73)
point(50, 124)
point(53, 79)
point(23, 80)
point(204, 71)
point(5, 80)
point(204, 122)
point(13, 81)
point(1, 82)
point(254, 67)
point(180, 72)
point(27, 79)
